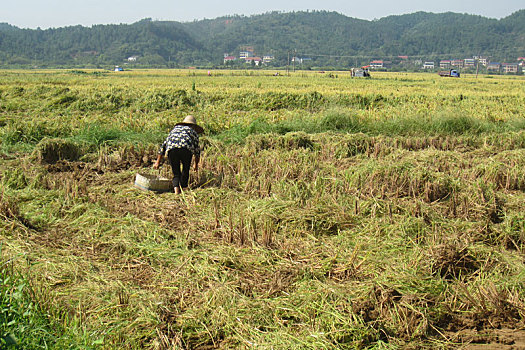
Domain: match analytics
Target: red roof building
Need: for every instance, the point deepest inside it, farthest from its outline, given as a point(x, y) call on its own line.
point(257, 60)
point(457, 63)
point(377, 64)
point(510, 67)
point(444, 64)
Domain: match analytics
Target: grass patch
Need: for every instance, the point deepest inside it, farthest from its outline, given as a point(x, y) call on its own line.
point(442, 124)
point(95, 136)
point(14, 133)
point(28, 320)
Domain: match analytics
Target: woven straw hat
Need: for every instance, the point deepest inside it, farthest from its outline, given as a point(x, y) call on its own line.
point(190, 121)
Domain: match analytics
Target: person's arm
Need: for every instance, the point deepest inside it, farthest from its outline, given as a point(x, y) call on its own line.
point(157, 163)
point(197, 152)
point(162, 151)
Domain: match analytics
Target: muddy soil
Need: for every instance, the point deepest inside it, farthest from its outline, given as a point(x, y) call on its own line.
point(489, 339)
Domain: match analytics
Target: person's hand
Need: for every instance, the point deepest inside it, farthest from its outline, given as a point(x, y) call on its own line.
point(157, 162)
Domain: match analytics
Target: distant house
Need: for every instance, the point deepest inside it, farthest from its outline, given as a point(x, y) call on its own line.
point(133, 58)
point(493, 67)
point(444, 64)
point(268, 58)
point(403, 60)
point(301, 60)
point(457, 63)
point(483, 61)
point(469, 62)
point(229, 59)
point(246, 51)
point(377, 64)
point(256, 60)
point(429, 65)
point(245, 54)
point(510, 67)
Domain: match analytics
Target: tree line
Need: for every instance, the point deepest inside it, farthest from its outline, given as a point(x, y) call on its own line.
point(329, 38)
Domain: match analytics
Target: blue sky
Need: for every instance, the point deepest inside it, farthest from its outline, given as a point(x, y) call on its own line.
point(60, 13)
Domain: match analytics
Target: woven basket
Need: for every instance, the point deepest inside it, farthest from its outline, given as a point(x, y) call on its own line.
point(153, 183)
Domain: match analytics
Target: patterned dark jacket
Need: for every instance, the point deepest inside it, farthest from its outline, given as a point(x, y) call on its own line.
point(182, 136)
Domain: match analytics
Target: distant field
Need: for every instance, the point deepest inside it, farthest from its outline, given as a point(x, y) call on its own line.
point(330, 212)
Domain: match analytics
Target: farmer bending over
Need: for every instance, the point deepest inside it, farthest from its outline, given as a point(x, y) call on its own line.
point(180, 145)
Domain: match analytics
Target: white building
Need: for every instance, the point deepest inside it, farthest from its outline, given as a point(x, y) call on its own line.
point(256, 60)
point(244, 54)
point(229, 59)
point(444, 64)
point(377, 64)
point(429, 65)
point(469, 62)
point(268, 58)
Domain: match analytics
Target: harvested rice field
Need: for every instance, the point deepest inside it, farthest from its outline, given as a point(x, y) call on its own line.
point(328, 212)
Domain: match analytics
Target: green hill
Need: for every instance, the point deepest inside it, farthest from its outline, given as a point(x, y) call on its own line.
point(317, 34)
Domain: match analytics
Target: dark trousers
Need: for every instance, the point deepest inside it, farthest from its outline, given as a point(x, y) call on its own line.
point(178, 156)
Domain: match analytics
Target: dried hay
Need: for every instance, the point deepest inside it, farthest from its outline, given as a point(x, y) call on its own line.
point(50, 151)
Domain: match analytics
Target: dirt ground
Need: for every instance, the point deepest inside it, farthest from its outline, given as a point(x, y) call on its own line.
point(490, 339)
